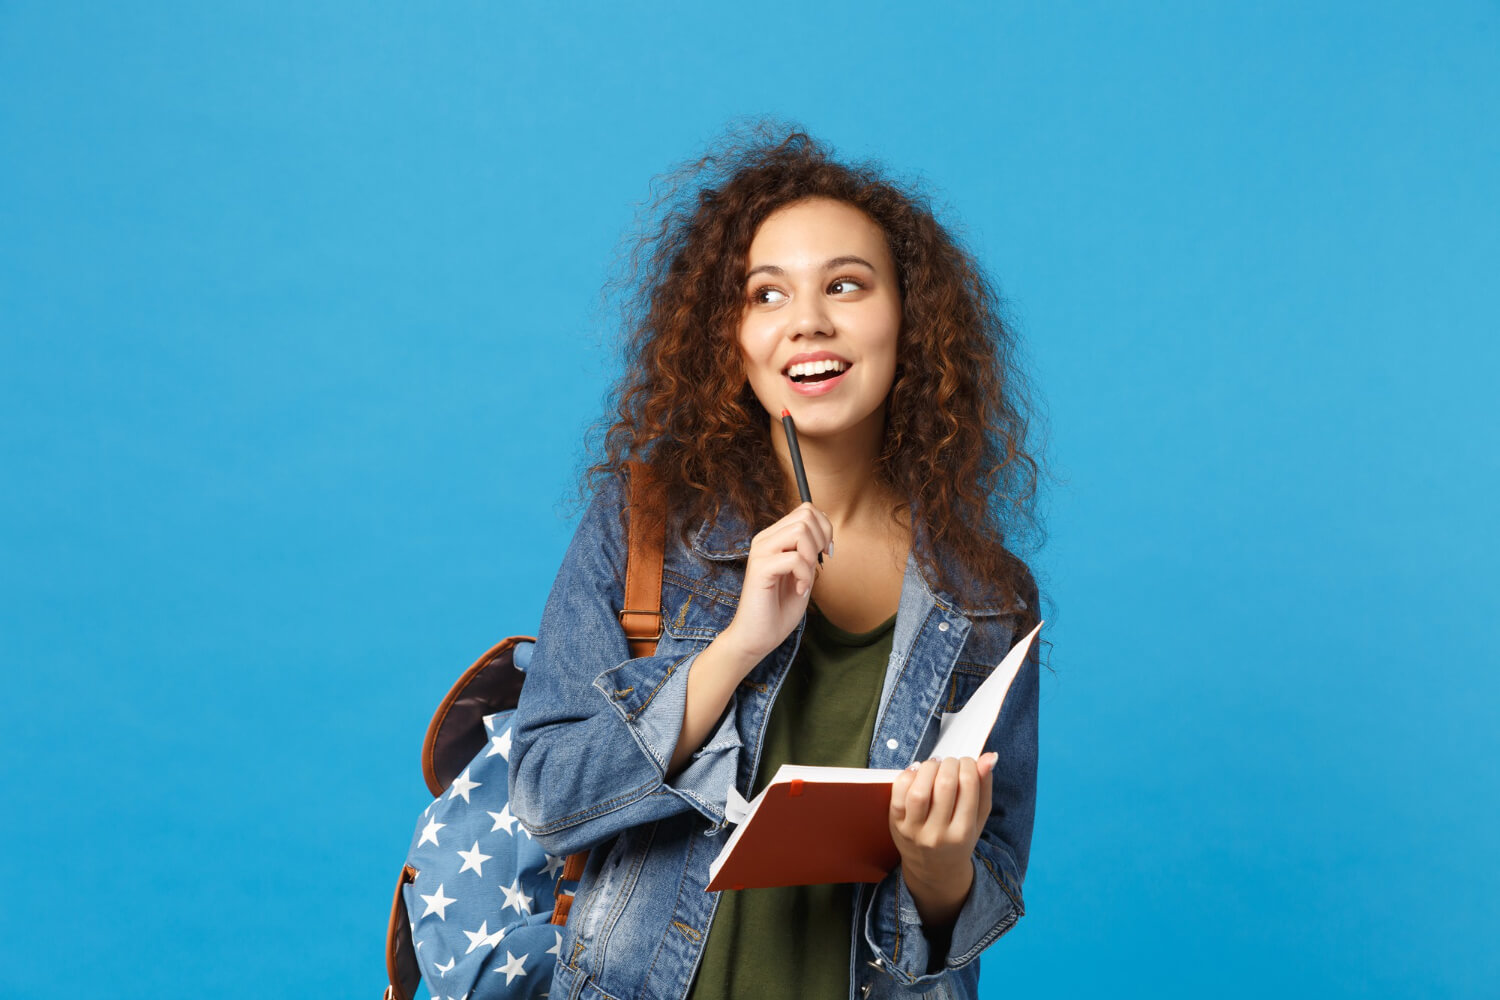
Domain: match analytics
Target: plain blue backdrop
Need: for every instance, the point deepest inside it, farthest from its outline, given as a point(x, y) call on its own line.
point(301, 320)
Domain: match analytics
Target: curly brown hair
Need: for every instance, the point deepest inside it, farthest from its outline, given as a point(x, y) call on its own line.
point(958, 414)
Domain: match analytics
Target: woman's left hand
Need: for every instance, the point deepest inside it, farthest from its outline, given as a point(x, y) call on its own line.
point(937, 812)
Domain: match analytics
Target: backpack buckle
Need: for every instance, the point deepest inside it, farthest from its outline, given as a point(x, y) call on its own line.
point(637, 636)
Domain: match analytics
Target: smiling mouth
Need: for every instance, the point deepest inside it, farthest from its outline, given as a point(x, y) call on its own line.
point(816, 371)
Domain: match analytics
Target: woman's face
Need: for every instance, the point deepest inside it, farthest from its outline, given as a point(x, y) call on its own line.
point(822, 316)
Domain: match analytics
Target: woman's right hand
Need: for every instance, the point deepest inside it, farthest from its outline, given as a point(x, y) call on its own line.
point(779, 578)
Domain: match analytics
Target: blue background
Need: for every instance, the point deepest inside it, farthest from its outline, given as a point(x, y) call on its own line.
point(302, 328)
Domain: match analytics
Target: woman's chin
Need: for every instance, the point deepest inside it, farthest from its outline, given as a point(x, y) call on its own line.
point(830, 424)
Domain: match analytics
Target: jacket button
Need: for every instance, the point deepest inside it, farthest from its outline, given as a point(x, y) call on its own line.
point(942, 626)
point(864, 990)
point(891, 744)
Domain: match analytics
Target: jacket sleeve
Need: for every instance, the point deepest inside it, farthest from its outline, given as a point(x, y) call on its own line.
point(595, 729)
point(892, 927)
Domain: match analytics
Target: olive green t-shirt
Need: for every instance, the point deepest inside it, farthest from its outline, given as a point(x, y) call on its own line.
point(794, 941)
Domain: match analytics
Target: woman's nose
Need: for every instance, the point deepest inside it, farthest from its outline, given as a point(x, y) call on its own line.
point(809, 318)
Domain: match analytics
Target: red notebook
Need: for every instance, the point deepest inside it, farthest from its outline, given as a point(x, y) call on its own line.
point(813, 825)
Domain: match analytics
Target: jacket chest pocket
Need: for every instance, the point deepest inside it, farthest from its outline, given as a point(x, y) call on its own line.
point(987, 645)
point(982, 653)
point(964, 681)
point(694, 611)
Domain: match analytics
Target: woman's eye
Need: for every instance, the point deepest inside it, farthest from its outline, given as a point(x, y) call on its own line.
point(766, 295)
point(842, 285)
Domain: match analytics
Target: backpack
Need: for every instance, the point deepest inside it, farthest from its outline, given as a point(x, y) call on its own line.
point(461, 926)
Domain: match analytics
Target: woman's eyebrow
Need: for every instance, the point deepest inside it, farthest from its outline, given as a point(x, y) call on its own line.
point(845, 261)
point(832, 264)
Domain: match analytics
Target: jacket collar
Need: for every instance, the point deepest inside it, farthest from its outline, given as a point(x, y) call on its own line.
point(727, 537)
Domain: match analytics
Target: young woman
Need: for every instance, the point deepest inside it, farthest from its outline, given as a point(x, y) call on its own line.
point(830, 633)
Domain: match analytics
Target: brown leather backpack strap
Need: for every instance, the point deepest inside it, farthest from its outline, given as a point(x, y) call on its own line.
point(572, 871)
point(400, 958)
point(641, 617)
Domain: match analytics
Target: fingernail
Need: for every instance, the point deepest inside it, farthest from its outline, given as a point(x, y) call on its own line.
point(830, 546)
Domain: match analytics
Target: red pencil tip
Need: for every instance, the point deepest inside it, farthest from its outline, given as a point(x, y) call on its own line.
point(785, 412)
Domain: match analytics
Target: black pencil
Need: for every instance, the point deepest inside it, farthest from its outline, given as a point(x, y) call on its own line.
point(797, 469)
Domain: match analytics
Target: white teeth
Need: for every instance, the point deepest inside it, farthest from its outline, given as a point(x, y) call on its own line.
point(807, 368)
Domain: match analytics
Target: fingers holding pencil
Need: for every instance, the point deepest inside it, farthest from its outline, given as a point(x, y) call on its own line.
point(780, 572)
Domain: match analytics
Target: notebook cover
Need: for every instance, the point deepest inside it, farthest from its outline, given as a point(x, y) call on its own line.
point(813, 832)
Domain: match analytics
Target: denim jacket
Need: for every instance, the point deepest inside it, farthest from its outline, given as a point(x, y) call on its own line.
point(595, 731)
